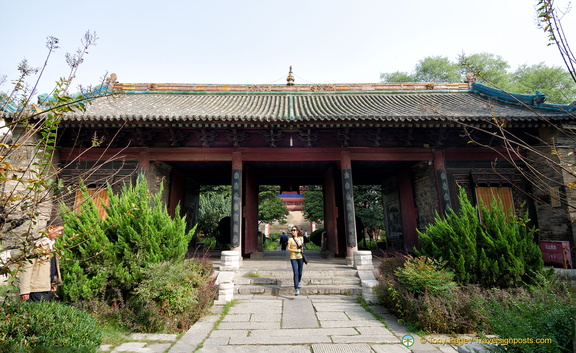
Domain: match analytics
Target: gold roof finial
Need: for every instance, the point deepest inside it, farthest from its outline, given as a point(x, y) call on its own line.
point(290, 78)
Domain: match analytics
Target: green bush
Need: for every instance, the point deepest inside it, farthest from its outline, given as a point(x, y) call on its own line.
point(106, 258)
point(492, 251)
point(270, 244)
point(421, 275)
point(117, 316)
point(546, 310)
point(210, 242)
point(173, 296)
point(316, 237)
point(275, 236)
point(212, 207)
point(452, 311)
point(47, 327)
point(367, 244)
point(311, 246)
point(387, 289)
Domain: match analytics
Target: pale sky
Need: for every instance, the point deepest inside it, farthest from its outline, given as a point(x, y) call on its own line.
point(255, 41)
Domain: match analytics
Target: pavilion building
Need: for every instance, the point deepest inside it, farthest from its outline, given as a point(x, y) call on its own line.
point(413, 139)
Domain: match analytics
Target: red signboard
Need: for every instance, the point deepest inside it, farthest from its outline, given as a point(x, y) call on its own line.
point(556, 252)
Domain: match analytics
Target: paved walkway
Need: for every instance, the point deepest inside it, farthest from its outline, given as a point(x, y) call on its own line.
point(290, 324)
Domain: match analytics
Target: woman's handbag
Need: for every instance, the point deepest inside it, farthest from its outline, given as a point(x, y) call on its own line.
point(301, 247)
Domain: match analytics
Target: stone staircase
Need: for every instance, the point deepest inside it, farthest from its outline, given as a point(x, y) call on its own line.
point(314, 282)
point(271, 274)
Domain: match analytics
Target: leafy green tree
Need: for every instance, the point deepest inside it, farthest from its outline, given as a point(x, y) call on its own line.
point(489, 69)
point(437, 69)
point(214, 204)
point(271, 208)
point(313, 204)
point(429, 69)
point(369, 208)
point(108, 257)
point(554, 81)
point(397, 76)
point(493, 250)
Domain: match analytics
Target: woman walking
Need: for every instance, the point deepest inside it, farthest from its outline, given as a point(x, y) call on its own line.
point(296, 247)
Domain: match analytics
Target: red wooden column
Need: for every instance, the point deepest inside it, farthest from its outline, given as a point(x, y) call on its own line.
point(330, 212)
point(408, 210)
point(236, 219)
point(144, 160)
point(348, 201)
point(176, 193)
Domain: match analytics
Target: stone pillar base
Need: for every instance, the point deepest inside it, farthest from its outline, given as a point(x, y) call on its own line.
point(229, 260)
point(226, 292)
point(363, 260)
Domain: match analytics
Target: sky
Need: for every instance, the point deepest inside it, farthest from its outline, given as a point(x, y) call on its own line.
point(256, 41)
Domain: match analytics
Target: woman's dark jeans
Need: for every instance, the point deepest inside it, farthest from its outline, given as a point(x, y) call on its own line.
point(297, 266)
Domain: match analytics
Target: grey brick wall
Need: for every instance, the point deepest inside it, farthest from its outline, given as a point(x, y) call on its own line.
point(555, 219)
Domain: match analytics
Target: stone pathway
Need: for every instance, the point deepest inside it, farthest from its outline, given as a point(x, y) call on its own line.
point(319, 324)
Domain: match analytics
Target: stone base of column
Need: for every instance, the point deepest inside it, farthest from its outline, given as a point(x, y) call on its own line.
point(363, 260)
point(225, 292)
point(229, 260)
point(350, 261)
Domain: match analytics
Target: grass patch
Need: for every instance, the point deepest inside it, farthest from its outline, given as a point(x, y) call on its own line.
point(114, 335)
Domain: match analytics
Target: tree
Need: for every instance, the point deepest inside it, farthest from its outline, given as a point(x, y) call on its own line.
point(484, 245)
point(136, 232)
point(369, 208)
point(214, 205)
point(556, 81)
point(493, 71)
point(27, 143)
point(549, 164)
point(313, 204)
point(429, 69)
point(550, 21)
point(397, 76)
point(436, 69)
point(271, 208)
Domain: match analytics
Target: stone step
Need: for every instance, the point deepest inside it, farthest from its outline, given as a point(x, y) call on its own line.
point(314, 282)
point(289, 280)
point(352, 290)
point(282, 273)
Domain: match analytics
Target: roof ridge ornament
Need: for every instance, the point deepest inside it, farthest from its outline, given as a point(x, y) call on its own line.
point(470, 79)
point(290, 78)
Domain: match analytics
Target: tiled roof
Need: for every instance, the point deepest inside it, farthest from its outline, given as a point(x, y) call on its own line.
point(305, 103)
point(304, 107)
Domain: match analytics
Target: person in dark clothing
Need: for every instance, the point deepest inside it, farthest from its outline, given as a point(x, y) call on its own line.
point(283, 241)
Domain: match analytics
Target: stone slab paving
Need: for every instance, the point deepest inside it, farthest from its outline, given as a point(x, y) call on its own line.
point(298, 313)
point(288, 324)
point(143, 343)
point(307, 324)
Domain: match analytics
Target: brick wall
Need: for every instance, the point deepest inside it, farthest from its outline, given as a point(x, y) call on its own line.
point(555, 218)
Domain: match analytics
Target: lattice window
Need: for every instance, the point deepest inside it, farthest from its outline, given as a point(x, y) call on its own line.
point(486, 194)
point(100, 197)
